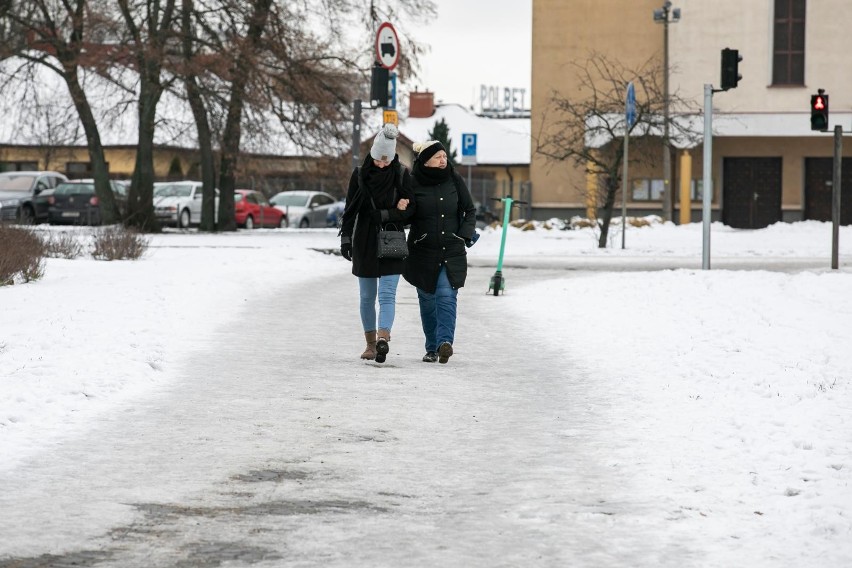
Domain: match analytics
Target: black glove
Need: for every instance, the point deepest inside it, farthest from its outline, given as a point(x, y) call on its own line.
point(472, 241)
point(346, 251)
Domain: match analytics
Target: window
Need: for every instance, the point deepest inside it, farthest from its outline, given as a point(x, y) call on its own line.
point(80, 169)
point(648, 189)
point(696, 190)
point(788, 52)
point(18, 166)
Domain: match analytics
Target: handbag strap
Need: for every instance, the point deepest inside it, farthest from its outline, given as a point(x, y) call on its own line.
point(383, 226)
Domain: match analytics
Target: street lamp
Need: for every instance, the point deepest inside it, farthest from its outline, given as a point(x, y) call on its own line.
point(664, 16)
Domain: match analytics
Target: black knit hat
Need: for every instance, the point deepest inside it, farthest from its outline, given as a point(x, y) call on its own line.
point(428, 149)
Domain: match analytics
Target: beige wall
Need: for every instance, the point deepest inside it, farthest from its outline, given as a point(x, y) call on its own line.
point(569, 31)
point(708, 27)
point(566, 31)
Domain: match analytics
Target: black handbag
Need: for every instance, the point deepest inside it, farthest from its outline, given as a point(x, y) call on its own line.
point(391, 243)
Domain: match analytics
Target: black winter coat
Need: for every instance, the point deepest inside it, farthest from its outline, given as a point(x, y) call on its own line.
point(443, 218)
point(358, 228)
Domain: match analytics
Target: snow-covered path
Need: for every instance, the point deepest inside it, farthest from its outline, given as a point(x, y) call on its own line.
point(550, 439)
point(305, 455)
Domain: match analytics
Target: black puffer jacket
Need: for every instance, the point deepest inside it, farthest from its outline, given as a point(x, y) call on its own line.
point(359, 229)
point(443, 218)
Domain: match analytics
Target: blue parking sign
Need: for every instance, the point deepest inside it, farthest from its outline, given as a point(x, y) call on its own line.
point(468, 149)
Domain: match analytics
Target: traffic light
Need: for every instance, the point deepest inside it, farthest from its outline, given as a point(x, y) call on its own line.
point(730, 73)
point(819, 111)
point(379, 86)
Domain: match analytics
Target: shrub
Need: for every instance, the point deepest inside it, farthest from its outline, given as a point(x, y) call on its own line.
point(21, 256)
point(117, 243)
point(63, 245)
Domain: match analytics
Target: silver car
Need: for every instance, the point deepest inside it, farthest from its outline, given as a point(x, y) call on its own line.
point(18, 192)
point(305, 208)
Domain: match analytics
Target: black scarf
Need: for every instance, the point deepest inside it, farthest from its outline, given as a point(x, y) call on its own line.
point(380, 182)
point(431, 176)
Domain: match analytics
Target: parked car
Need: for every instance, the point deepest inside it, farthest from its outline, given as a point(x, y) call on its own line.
point(18, 191)
point(252, 209)
point(178, 203)
point(335, 213)
point(74, 202)
point(304, 208)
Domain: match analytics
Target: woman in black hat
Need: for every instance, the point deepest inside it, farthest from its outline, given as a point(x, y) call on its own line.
point(443, 222)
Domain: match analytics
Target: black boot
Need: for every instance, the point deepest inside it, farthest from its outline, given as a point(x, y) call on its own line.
point(382, 346)
point(445, 351)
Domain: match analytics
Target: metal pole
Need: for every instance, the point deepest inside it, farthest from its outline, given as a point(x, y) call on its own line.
point(356, 134)
point(708, 175)
point(624, 185)
point(667, 156)
point(835, 196)
point(507, 214)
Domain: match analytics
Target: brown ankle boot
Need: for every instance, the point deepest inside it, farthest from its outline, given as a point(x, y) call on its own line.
point(382, 346)
point(370, 351)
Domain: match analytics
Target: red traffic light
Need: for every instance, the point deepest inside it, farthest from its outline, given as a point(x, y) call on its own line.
point(819, 111)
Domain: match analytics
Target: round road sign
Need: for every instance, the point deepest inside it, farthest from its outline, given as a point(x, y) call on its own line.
point(387, 46)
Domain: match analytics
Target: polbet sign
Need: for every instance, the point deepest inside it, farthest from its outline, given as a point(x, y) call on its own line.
point(502, 99)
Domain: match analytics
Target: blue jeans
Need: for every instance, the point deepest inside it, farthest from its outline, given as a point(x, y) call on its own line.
point(438, 312)
point(385, 288)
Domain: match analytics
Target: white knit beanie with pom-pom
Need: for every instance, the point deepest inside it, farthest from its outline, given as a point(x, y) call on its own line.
point(384, 145)
point(425, 150)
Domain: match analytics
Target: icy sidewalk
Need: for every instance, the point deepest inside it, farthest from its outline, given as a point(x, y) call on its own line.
point(279, 447)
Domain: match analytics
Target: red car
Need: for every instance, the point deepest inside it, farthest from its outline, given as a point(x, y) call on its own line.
point(252, 209)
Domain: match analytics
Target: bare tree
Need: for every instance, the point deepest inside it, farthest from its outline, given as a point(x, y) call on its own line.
point(587, 129)
point(193, 63)
point(53, 35)
point(258, 72)
point(150, 27)
point(252, 72)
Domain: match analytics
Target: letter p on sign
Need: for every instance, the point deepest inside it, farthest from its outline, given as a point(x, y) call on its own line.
point(468, 149)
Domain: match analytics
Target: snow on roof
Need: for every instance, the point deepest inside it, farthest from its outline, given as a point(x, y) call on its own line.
point(499, 141)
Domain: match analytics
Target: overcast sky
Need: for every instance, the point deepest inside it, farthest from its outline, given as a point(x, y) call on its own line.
point(475, 43)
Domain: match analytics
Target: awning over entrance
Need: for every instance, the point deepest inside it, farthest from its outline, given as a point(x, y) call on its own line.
point(689, 129)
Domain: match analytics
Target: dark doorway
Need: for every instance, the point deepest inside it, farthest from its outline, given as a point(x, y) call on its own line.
point(818, 175)
point(752, 192)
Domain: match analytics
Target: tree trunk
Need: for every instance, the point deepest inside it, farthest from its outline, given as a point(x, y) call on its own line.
point(103, 190)
point(233, 130)
point(202, 124)
point(141, 196)
point(205, 147)
point(611, 190)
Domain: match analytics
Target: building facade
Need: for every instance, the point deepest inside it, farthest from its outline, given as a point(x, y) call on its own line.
point(767, 163)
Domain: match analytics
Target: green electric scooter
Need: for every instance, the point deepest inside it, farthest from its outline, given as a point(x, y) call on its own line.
point(498, 283)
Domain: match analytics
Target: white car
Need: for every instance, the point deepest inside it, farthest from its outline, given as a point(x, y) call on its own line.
point(304, 208)
point(178, 203)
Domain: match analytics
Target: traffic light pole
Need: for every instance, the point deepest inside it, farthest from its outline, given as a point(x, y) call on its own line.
point(707, 184)
point(835, 196)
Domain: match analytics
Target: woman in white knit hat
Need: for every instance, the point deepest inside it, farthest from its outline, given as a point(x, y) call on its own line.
point(443, 223)
point(373, 200)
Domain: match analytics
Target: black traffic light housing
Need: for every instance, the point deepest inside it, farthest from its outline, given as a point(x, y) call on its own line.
point(819, 111)
point(730, 68)
point(379, 86)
